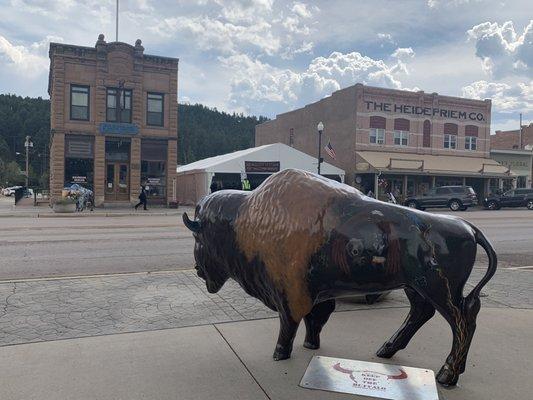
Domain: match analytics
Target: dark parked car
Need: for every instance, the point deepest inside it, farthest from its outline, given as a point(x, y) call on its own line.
point(511, 198)
point(455, 197)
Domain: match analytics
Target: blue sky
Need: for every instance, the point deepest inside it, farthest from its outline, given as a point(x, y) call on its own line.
point(270, 56)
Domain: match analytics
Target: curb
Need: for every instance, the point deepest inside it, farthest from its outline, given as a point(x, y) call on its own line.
point(88, 215)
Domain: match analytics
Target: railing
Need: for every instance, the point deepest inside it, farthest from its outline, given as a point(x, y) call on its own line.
point(19, 194)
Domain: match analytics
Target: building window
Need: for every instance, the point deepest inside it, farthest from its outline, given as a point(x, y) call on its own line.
point(79, 102)
point(121, 97)
point(377, 130)
point(471, 133)
point(426, 140)
point(154, 114)
point(377, 136)
point(291, 137)
point(450, 141)
point(79, 160)
point(450, 136)
point(401, 131)
point(401, 138)
point(153, 167)
point(470, 142)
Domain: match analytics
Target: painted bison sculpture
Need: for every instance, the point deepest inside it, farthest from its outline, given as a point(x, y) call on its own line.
point(299, 241)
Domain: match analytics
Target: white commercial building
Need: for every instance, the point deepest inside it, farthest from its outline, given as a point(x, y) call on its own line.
point(227, 171)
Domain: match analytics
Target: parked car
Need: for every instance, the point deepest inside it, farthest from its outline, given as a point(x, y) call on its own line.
point(511, 198)
point(10, 191)
point(455, 197)
point(529, 201)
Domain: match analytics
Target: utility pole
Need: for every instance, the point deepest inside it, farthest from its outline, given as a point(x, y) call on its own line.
point(27, 144)
point(520, 147)
point(116, 33)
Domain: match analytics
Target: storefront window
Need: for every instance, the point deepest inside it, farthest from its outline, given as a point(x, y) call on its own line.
point(154, 167)
point(79, 161)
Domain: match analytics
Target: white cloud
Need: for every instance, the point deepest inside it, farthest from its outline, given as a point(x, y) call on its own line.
point(439, 3)
point(385, 36)
point(301, 10)
point(244, 11)
point(267, 90)
point(506, 98)
point(502, 50)
point(225, 37)
point(54, 9)
point(27, 60)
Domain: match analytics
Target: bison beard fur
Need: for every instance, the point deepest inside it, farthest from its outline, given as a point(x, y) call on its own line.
point(299, 241)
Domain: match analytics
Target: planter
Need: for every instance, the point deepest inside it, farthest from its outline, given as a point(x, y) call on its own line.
point(64, 208)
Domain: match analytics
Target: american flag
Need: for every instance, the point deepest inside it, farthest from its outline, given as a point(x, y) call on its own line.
point(329, 149)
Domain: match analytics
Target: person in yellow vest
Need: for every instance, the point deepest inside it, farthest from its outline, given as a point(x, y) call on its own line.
point(246, 184)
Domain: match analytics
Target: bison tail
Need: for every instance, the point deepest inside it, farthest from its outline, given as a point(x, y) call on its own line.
point(493, 262)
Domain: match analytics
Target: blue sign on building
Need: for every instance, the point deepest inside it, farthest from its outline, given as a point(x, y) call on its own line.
point(119, 128)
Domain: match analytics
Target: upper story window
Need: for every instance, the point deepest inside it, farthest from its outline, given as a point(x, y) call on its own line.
point(122, 98)
point(291, 137)
point(154, 109)
point(79, 102)
point(426, 139)
point(377, 130)
point(450, 136)
point(401, 131)
point(471, 133)
point(470, 142)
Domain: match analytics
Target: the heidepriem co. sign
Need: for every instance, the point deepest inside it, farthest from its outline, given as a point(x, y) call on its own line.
point(426, 111)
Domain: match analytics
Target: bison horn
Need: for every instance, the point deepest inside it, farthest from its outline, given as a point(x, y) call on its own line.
point(192, 225)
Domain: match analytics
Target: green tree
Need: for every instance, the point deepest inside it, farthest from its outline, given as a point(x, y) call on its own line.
point(12, 175)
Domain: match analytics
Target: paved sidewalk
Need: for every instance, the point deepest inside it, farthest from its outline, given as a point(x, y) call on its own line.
point(8, 209)
point(43, 310)
point(234, 360)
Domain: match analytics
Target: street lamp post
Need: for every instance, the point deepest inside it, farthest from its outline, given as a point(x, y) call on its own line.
point(27, 144)
point(320, 128)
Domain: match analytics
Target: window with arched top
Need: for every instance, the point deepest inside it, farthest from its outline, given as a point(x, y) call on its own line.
point(377, 130)
point(401, 131)
point(426, 139)
point(450, 135)
point(471, 132)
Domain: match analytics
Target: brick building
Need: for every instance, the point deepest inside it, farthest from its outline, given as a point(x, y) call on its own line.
point(514, 149)
point(113, 121)
point(394, 140)
point(508, 140)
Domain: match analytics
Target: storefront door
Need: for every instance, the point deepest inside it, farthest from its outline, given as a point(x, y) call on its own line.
point(117, 187)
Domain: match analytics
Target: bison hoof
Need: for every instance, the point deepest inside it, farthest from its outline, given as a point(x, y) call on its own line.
point(313, 345)
point(386, 351)
point(446, 376)
point(281, 353)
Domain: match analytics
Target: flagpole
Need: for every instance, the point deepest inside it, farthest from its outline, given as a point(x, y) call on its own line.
point(116, 33)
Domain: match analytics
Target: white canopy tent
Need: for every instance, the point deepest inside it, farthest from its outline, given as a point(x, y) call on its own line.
point(194, 180)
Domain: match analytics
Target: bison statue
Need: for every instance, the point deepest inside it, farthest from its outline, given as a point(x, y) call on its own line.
point(299, 241)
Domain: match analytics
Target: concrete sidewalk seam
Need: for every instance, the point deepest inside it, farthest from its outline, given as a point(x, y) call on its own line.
point(242, 362)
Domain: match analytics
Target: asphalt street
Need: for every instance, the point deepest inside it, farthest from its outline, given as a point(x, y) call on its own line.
point(54, 247)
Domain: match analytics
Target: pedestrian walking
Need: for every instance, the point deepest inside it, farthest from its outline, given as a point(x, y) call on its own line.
point(143, 200)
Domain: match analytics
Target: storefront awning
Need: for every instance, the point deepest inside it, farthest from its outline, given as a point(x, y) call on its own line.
point(427, 164)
